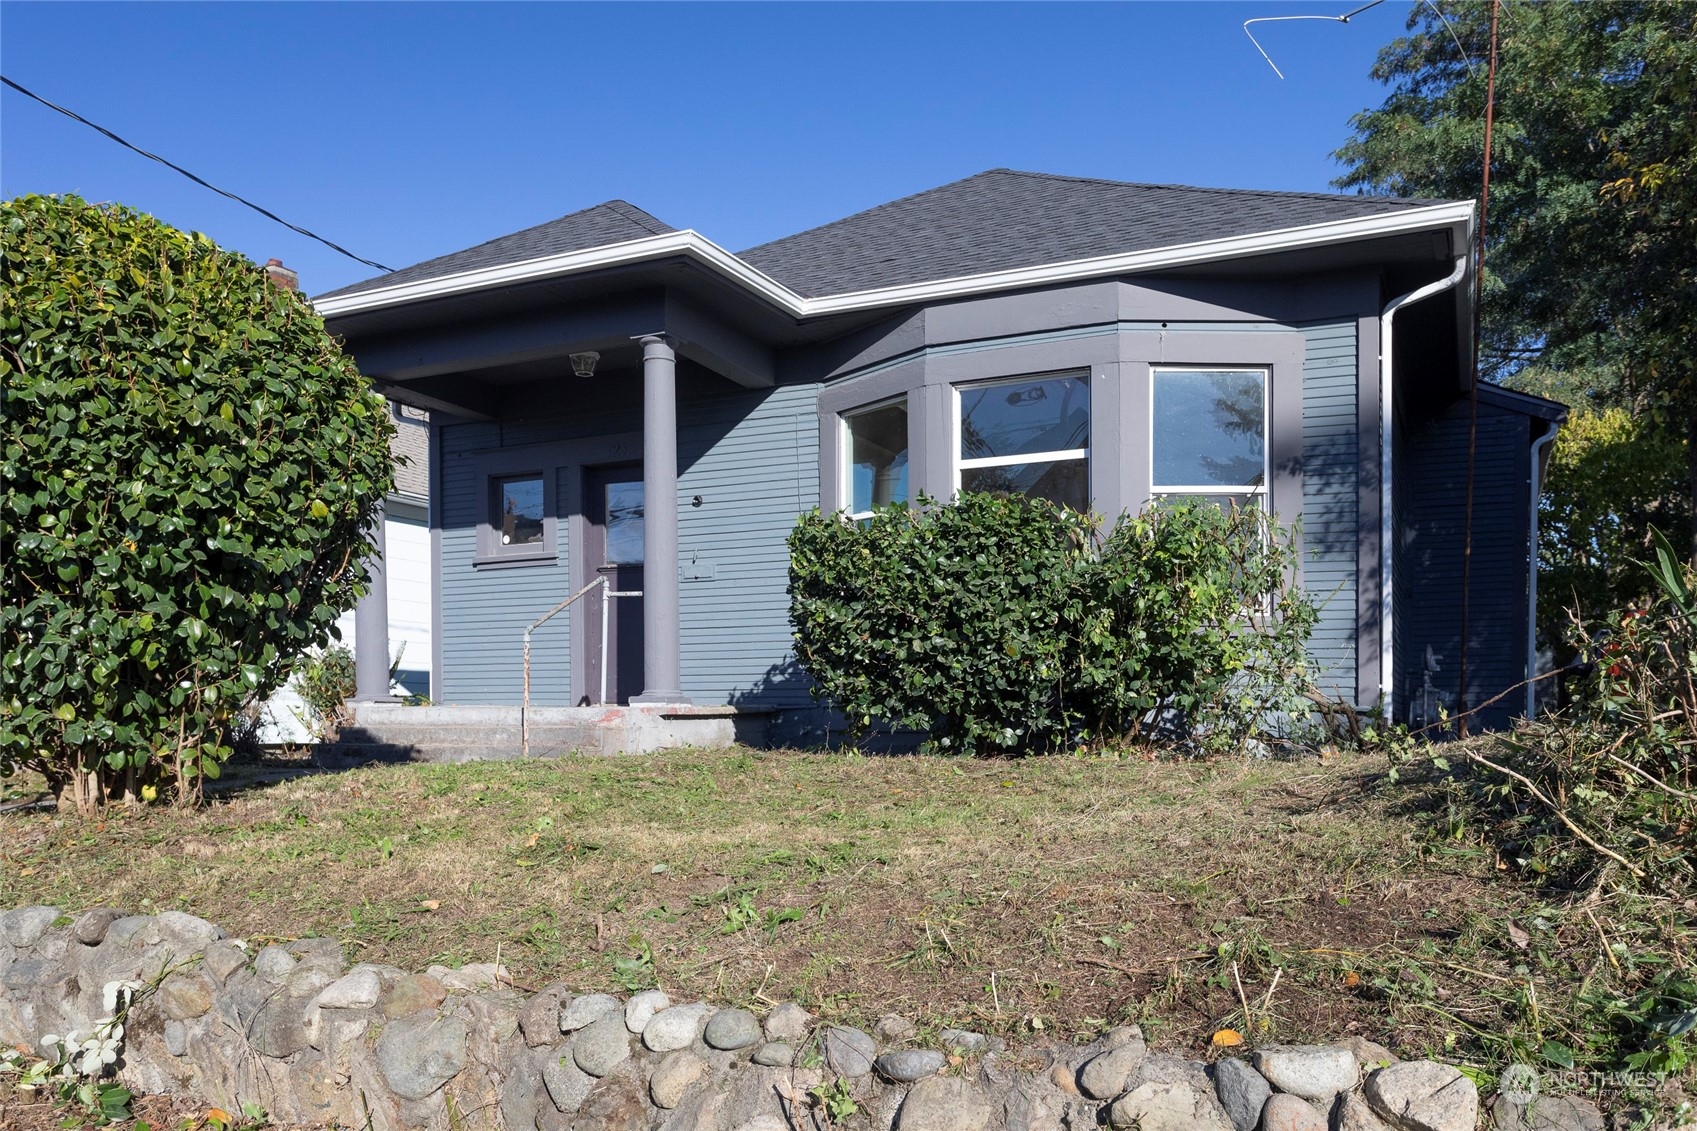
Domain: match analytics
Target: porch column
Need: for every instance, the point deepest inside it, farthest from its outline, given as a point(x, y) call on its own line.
point(660, 668)
point(371, 626)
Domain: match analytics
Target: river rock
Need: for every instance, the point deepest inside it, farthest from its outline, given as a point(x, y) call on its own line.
point(185, 996)
point(1285, 1112)
point(732, 1029)
point(1423, 1095)
point(849, 1052)
point(676, 1027)
point(908, 1065)
point(358, 990)
point(1547, 1113)
point(642, 1007)
point(90, 927)
point(893, 1029)
point(1356, 1114)
point(274, 963)
point(602, 1044)
point(419, 1055)
point(775, 1054)
point(674, 1075)
point(189, 934)
point(788, 1022)
point(566, 1083)
point(1314, 1072)
point(581, 1012)
point(966, 1041)
point(943, 1103)
point(1108, 1076)
point(1242, 1092)
point(1168, 1107)
point(23, 926)
point(614, 1104)
point(223, 958)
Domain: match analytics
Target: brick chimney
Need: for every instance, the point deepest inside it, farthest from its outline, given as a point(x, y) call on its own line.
point(281, 275)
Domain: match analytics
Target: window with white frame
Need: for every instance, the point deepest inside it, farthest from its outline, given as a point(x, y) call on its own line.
point(875, 457)
point(1029, 436)
point(1209, 435)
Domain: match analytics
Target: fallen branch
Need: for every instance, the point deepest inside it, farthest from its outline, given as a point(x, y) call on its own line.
point(1556, 810)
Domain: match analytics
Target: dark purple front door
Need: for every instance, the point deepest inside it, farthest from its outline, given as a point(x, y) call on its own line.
point(613, 548)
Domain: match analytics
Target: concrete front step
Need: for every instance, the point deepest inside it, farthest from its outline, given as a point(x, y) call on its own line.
point(462, 734)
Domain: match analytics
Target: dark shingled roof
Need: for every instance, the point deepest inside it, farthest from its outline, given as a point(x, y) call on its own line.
point(995, 221)
point(612, 222)
point(1006, 219)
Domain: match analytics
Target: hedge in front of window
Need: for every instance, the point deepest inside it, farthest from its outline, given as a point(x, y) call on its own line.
point(1002, 623)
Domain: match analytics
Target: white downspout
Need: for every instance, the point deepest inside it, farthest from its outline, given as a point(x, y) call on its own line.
point(1537, 490)
point(1387, 524)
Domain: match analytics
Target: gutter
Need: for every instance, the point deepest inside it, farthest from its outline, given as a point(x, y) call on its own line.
point(703, 251)
point(1387, 523)
point(1538, 469)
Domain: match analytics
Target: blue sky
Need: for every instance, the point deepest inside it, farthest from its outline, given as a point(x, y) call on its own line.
point(404, 131)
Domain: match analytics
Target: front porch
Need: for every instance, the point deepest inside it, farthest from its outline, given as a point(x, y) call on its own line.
point(393, 731)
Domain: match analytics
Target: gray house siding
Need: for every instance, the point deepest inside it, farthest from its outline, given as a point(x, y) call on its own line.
point(1330, 522)
point(1431, 488)
point(751, 455)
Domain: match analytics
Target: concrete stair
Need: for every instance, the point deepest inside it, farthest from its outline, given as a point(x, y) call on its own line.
point(394, 732)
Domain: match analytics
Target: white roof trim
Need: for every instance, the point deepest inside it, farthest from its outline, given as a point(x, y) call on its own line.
point(698, 247)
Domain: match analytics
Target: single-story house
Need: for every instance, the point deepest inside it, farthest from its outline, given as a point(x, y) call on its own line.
point(614, 398)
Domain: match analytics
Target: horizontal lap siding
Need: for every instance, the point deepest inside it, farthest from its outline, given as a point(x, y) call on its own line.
point(484, 612)
point(753, 457)
point(1432, 483)
point(1330, 523)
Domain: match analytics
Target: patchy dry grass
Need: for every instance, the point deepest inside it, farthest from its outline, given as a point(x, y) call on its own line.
point(1061, 894)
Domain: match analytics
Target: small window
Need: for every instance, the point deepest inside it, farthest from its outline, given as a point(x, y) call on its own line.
point(1210, 434)
point(1030, 436)
point(624, 523)
point(519, 510)
point(876, 454)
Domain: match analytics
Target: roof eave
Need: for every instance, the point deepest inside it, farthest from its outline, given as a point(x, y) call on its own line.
point(710, 255)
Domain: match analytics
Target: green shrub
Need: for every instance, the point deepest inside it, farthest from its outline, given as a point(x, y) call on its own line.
point(1606, 785)
point(325, 682)
point(189, 464)
point(1003, 623)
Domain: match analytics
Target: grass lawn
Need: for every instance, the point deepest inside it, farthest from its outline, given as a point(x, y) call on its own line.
point(1055, 894)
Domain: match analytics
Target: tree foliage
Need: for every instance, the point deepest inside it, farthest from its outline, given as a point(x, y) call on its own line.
point(189, 464)
point(1605, 496)
point(1004, 624)
point(1591, 259)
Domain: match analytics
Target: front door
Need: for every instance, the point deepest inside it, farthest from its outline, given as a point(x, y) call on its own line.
point(613, 549)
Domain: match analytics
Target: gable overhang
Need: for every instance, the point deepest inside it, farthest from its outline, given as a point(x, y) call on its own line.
point(729, 269)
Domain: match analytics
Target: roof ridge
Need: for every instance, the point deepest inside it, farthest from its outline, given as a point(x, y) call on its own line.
point(635, 215)
point(1281, 193)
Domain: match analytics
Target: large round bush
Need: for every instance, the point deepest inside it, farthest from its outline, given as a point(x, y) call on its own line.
point(189, 467)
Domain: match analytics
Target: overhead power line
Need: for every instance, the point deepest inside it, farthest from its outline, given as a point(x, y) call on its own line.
point(269, 215)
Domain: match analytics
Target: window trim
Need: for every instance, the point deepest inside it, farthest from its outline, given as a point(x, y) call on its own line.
point(1265, 489)
point(845, 452)
point(491, 552)
point(959, 463)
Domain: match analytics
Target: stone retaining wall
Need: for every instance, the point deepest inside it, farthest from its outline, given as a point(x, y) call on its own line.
point(295, 1029)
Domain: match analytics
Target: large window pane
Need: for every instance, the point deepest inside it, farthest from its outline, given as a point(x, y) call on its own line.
point(877, 455)
point(624, 523)
point(1061, 481)
point(519, 501)
point(1013, 418)
point(1209, 428)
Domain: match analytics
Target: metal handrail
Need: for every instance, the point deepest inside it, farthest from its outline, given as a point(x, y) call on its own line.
point(524, 713)
point(607, 594)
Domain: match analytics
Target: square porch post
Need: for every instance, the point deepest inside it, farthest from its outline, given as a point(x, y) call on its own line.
point(661, 680)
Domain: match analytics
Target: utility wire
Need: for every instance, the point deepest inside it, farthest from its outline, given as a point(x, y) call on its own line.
point(204, 184)
point(1344, 19)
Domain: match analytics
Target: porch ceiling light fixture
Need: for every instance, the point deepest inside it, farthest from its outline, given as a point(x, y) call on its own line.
point(583, 364)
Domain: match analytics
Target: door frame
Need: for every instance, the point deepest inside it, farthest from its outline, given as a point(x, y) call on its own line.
point(583, 641)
